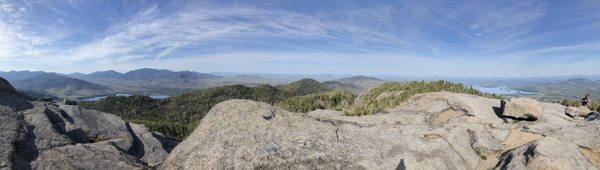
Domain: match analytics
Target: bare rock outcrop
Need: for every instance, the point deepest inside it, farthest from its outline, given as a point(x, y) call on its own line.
point(581, 111)
point(431, 131)
point(150, 147)
point(97, 126)
point(522, 108)
point(102, 155)
point(46, 135)
point(9, 135)
point(10, 99)
point(545, 153)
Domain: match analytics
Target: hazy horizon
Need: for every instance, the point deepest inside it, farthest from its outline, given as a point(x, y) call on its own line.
point(400, 38)
point(327, 74)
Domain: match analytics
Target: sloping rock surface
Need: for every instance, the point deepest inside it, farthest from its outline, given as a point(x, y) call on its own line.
point(546, 153)
point(151, 147)
point(10, 99)
point(431, 131)
point(102, 155)
point(46, 135)
point(10, 125)
point(10, 122)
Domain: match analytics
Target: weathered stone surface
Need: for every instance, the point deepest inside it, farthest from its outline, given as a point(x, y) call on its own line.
point(452, 108)
point(430, 131)
point(10, 99)
point(593, 116)
point(520, 107)
point(259, 143)
point(46, 135)
point(10, 125)
point(40, 134)
point(102, 155)
point(581, 111)
point(235, 135)
point(151, 147)
point(545, 153)
point(98, 126)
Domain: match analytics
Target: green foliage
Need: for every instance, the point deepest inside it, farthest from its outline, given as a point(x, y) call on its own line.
point(193, 106)
point(304, 87)
point(593, 105)
point(176, 130)
point(332, 100)
point(132, 107)
point(177, 116)
point(390, 95)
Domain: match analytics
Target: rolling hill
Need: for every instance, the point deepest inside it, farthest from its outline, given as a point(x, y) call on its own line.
point(41, 84)
point(305, 86)
point(356, 84)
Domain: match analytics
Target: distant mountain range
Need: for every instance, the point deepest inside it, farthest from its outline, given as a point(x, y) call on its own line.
point(166, 82)
point(143, 81)
point(145, 74)
point(42, 84)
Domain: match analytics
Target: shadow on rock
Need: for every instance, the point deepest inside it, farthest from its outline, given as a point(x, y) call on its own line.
point(137, 148)
point(500, 113)
point(26, 150)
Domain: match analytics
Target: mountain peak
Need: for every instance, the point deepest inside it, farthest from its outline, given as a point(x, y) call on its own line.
point(305, 86)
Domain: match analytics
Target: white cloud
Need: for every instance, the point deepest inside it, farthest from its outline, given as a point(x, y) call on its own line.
point(443, 34)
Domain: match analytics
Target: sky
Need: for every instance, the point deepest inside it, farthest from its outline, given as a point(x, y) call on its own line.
point(507, 38)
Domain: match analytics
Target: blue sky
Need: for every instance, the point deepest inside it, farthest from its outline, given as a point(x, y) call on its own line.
point(417, 38)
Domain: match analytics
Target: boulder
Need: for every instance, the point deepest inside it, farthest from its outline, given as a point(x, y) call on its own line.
point(151, 147)
point(523, 108)
point(102, 155)
point(545, 153)
point(581, 111)
point(451, 108)
point(69, 102)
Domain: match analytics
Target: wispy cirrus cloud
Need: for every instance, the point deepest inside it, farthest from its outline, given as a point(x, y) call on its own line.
point(63, 34)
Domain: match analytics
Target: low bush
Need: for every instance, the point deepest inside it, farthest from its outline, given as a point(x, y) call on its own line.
point(390, 95)
point(332, 100)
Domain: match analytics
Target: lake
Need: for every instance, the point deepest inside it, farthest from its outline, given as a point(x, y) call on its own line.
point(500, 90)
point(93, 99)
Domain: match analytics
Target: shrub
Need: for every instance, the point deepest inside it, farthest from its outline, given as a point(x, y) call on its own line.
point(390, 95)
point(175, 130)
point(593, 105)
point(332, 100)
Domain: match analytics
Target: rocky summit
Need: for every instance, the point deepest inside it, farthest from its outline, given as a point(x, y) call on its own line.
point(47, 135)
point(438, 130)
